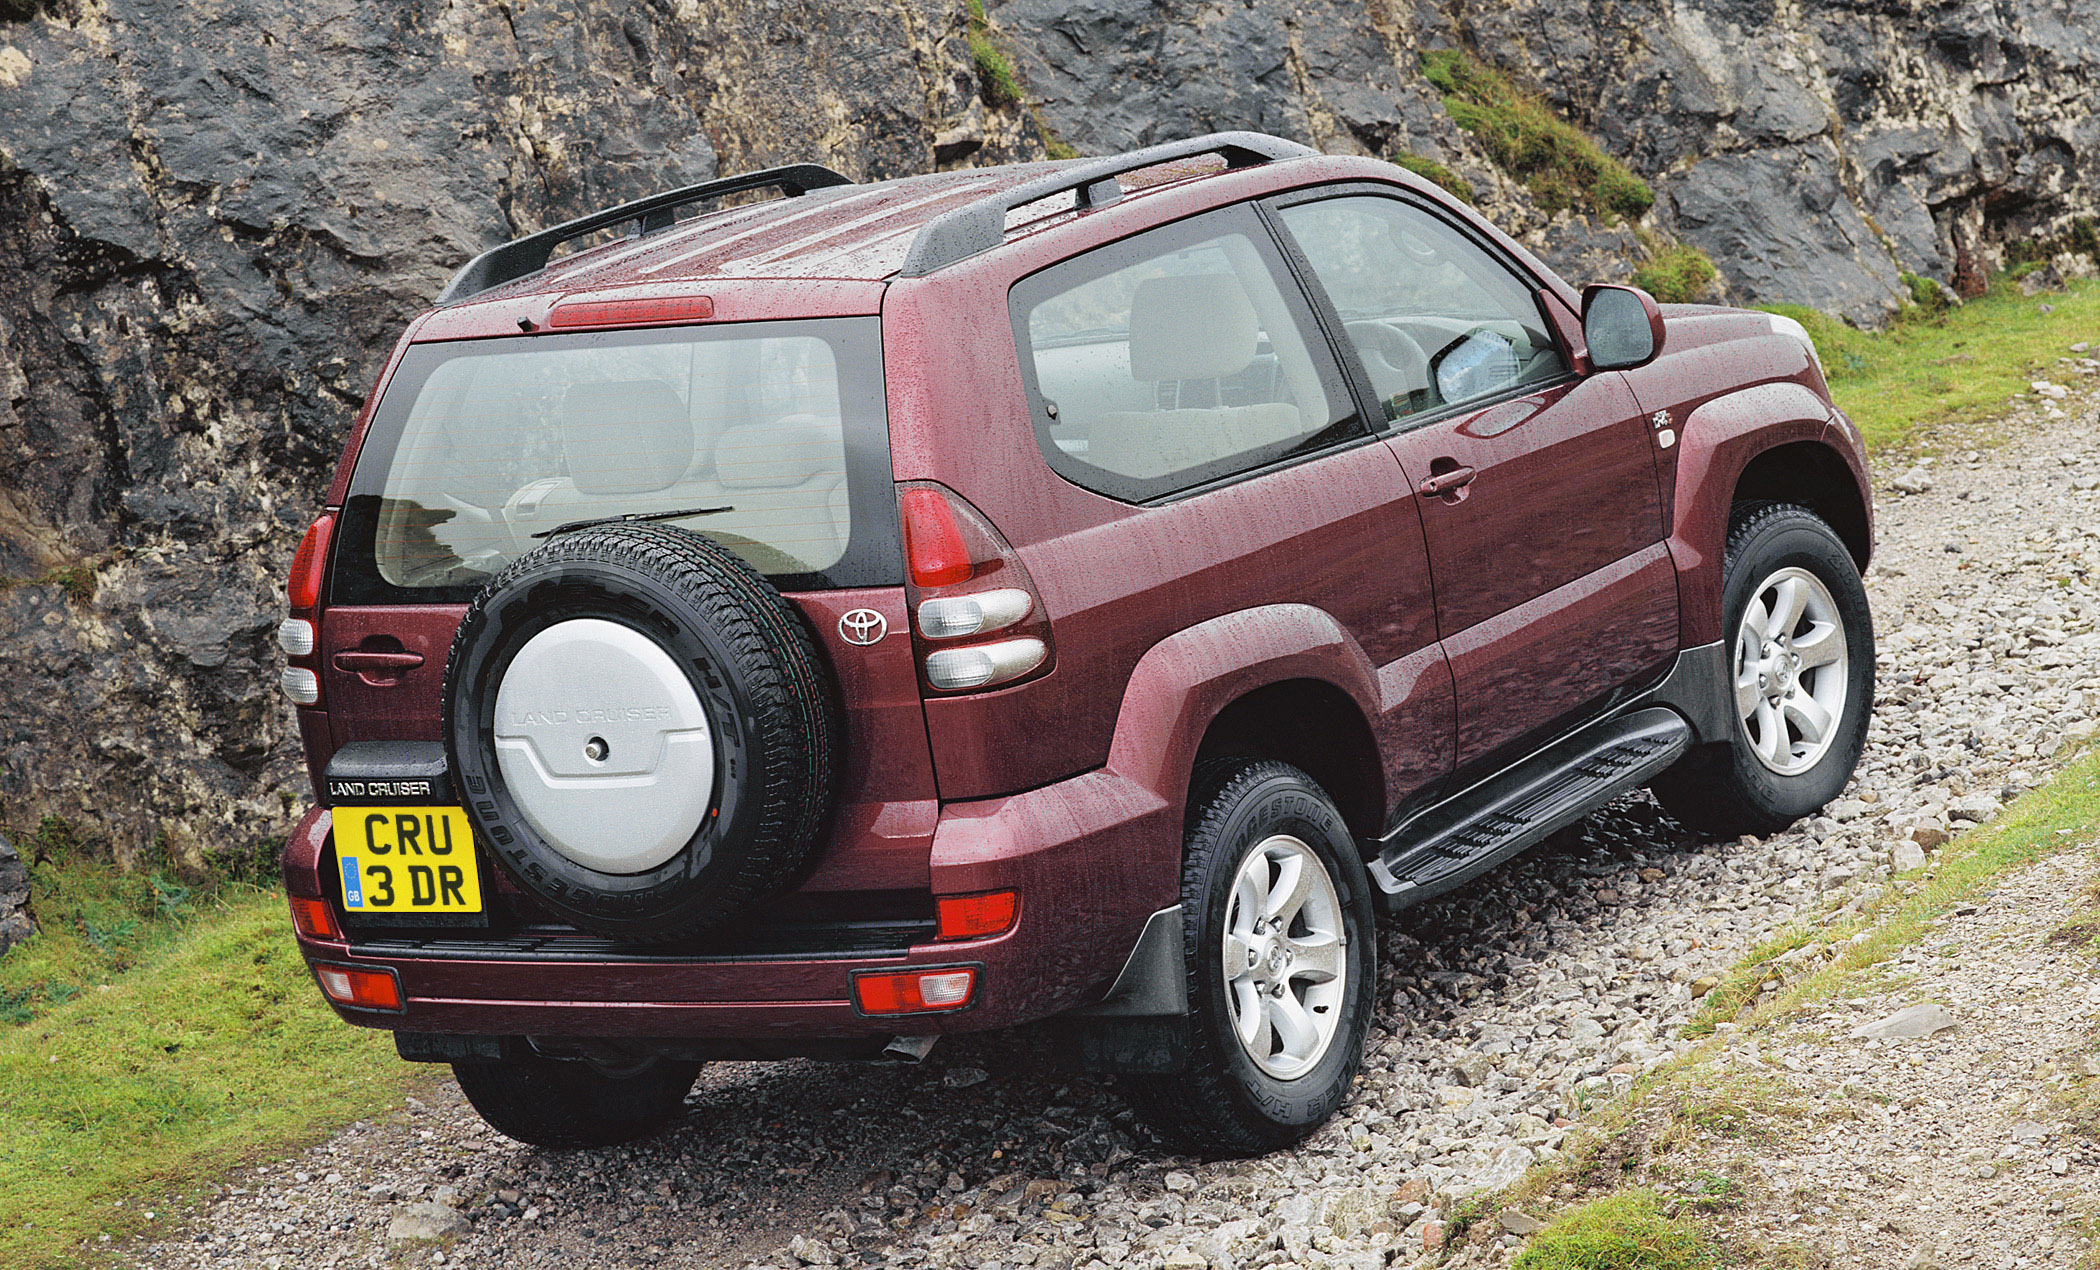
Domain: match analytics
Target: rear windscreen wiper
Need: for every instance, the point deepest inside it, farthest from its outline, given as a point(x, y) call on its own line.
point(630, 518)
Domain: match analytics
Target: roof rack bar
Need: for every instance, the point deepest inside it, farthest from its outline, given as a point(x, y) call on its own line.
point(522, 256)
point(980, 226)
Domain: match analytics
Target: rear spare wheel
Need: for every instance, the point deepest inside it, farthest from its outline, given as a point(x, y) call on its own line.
point(642, 729)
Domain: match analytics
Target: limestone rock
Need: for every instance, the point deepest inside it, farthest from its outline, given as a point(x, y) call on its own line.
point(1910, 1023)
point(426, 1222)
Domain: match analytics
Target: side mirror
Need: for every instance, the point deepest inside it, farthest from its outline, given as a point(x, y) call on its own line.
point(1622, 325)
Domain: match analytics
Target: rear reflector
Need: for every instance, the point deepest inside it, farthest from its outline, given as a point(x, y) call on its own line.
point(359, 987)
point(974, 916)
point(933, 542)
point(309, 563)
point(314, 919)
point(916, 991)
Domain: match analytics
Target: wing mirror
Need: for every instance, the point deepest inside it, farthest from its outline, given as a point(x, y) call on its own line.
point(1622, 325)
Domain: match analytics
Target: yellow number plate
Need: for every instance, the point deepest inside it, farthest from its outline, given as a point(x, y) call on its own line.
point(407, 860)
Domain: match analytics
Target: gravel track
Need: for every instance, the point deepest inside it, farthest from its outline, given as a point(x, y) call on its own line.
point(1505, 1011)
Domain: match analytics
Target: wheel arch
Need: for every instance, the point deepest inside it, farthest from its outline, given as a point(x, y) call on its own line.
point(1207, 690)
point(1811, 474)
point(1316, 727)
point(1778, 441)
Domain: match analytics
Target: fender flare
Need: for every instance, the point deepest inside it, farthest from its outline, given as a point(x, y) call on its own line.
point(1721, 439)
point(1182, 683)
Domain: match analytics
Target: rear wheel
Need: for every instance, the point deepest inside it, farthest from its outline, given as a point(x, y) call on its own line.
point(555, 1102)
point(1279, 943)
point(1801, 659)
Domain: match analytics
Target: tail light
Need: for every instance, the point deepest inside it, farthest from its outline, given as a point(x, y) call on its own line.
point(301, 679)
point(916, 991)
point(977, 619)
point(309, 563)
point(360, 987)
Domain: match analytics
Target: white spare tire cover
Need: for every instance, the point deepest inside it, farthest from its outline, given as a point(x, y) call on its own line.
point(602, 741)
point(643, 731)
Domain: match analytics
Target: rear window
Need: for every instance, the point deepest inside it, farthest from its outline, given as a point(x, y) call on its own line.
point(769, 437)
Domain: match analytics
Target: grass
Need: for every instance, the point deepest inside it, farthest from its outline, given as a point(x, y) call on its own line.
point(1939, 366)
point(1436, 173)
point(76, 580)
point(213, 1050)
point(152, 1034)
point(1676, 274)
point(1626, 1231)
point(1561, 167)
point(995, 71)
point(94, 921)
point(1694, 1099)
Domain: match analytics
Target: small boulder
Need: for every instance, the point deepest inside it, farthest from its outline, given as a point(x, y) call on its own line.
point(1909, 1023)
point(1906, 856)
point(1518, 1222)
point(426, 1223)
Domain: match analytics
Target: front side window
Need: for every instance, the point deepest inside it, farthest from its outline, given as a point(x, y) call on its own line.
point(770, 437)
point(1435, 319)
point(1174, 359)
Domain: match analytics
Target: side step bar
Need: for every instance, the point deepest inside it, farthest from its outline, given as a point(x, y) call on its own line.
point(1465, 836)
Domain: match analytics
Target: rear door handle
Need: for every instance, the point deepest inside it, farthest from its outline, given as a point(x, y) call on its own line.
point(1444, 482)
point(364, 663)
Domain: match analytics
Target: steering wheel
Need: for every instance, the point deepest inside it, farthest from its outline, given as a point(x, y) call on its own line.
point(1399, 370)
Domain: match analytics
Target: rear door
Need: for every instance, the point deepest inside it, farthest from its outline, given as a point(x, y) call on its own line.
point(775, 432)
point(1536, 487)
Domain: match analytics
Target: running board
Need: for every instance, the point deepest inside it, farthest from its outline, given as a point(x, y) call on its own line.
point(1463, 837)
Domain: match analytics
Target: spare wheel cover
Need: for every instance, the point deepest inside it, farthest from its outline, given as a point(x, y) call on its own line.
point(642, 730)
point(603, 743)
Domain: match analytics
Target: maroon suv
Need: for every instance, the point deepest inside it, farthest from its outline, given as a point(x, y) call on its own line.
point(1079, 591)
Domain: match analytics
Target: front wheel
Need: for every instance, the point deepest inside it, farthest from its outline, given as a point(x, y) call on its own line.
point(1802, 676)
point(1279, 943)
point(565, 1103)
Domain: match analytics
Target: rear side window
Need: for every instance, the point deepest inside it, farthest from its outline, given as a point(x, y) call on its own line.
point(771, 438)
point(1435, 319)
point(1175, 358)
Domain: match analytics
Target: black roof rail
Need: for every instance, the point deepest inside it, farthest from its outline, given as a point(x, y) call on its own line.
point(522, 256)
point(956, 236)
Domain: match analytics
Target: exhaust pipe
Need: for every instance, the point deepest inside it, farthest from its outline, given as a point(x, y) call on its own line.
point(909, 1049)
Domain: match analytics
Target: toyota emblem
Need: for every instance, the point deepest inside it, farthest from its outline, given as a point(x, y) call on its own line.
point(863, 626)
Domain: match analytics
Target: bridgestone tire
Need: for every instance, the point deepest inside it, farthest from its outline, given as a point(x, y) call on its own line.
point(1225, 1103)
point(1724, 789)
point(567, 1103)
point(731, 649)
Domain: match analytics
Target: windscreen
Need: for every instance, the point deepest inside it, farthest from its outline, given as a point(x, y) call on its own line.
point(768, 437)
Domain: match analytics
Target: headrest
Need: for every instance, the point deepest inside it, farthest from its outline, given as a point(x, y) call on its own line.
point(1192, 326)
point(777, 456)
point(625, 436)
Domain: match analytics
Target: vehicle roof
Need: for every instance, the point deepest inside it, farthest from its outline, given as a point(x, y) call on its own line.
point(847, 232)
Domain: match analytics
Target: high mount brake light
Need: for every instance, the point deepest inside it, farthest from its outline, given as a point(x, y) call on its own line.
point(977, 619)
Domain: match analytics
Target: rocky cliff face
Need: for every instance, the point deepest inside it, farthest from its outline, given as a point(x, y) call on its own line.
point(215, 218)
point(1815, 151)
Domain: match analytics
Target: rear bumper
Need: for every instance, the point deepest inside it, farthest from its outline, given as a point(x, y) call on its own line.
point(1092, 858)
